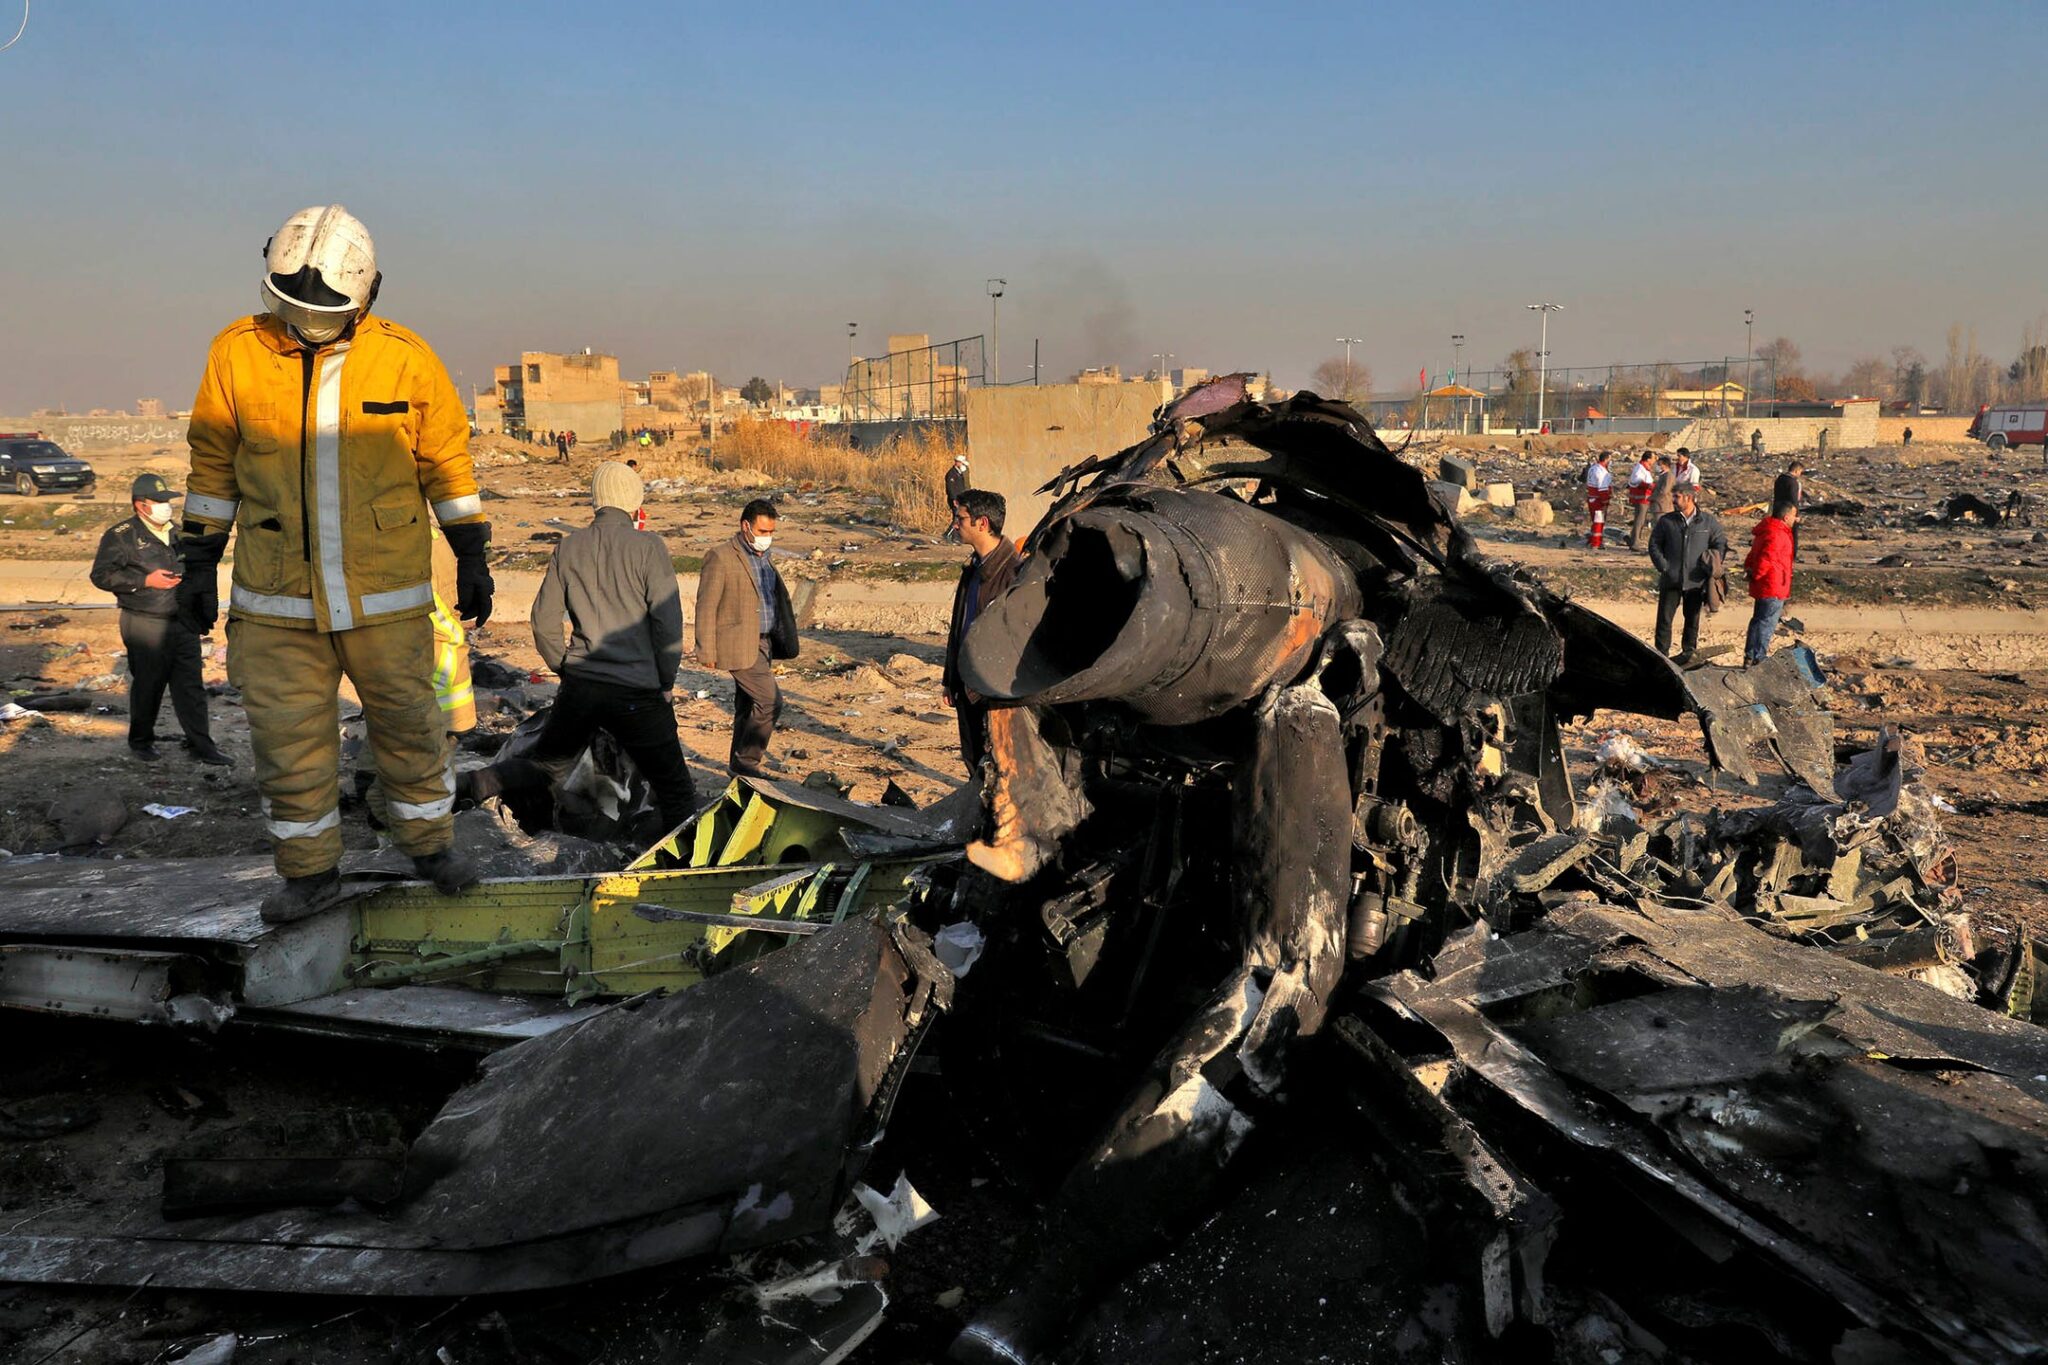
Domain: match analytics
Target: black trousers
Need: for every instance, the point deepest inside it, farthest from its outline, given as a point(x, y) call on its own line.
point(162, 653)
point(973, 718)
point(756, 706)
point(639, 718)
point(1669, 600)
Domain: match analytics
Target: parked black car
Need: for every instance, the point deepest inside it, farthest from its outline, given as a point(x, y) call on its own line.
point(30, 465)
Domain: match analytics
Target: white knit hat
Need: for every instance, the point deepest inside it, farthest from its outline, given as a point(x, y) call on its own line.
point(614, 485)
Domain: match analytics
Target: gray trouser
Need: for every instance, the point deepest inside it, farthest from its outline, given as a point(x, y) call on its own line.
point(756, 705)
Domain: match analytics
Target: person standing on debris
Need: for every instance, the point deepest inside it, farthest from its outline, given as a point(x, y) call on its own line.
point(1906, 437)
point(1790, 486)
point(956, 484)
point(1684, 471)
point(744, 622)
point(1642, 483)
point(1770, 576)
point(1661, 496)
point(138, 563)
point(1599, 492)
point(329, 435)
point(1756, 441)
point(1686, 546)
point(978, 521)
point(616, 589)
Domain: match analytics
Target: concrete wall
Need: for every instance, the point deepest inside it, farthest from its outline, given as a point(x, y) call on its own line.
point(594, 420)
point(875, 435)
point(1855, 429)
point(1020, 435)
point(1891, 430)
point(87, 433)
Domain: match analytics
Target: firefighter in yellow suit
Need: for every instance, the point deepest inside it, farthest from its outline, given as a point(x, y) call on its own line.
point(326, 438)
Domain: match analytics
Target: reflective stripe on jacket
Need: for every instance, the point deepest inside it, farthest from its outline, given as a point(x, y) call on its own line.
point(328, 461)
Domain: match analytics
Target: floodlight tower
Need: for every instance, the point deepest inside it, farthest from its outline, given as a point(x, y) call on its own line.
point(995, 330)
point(1348, 343)
point(1543, 353)
point(1748, 349)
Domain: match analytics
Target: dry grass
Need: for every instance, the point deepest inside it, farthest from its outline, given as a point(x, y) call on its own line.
point(909, 473)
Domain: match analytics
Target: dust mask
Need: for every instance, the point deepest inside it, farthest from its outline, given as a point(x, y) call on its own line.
point(760, 543)
point(159, 513)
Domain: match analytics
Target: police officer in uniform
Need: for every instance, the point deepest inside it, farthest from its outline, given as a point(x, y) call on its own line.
point(138, 563)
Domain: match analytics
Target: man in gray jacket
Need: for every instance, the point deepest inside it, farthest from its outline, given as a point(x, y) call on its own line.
point(1686, 545)
point(616, 589)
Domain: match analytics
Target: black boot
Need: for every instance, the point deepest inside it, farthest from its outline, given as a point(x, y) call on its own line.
point(448, 870)
point(145, 752)
point(204, 750)
point(302, 896)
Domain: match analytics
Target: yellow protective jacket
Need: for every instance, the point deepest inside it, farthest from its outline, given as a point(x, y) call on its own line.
point(329, 461)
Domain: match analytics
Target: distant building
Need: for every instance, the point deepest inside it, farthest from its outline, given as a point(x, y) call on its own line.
point(1696, 402)
point(149, 407)
point(550, 392)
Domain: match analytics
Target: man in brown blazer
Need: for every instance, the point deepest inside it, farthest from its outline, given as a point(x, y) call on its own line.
point(978, 521)
point(741, 606)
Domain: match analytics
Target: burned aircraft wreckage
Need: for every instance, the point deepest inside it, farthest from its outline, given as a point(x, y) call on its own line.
point(1276, 798)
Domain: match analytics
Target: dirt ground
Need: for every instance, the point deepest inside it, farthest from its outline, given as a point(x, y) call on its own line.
point(866, 706)
point(851, 711)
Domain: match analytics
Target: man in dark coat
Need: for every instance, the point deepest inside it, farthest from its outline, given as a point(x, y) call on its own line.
point(978, 520)
point(1685, 545)
point(956, 484)
point(1790, 486)
point(138, 562)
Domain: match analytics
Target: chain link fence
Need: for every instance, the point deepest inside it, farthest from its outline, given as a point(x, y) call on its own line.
point(1642, 396)
point(927, 383)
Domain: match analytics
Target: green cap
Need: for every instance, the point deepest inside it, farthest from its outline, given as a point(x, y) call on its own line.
point(152, 488)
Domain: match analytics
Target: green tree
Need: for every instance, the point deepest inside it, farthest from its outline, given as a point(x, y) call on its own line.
point(757, 390)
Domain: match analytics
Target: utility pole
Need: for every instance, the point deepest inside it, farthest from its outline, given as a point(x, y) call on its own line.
point(1748, 349)
point(1162, 357)
point(1348, 342)
point(1543, 354)
point(995, 329)
point(1457, 354)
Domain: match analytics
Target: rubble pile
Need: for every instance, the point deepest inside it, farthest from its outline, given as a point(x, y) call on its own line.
point(1276, 852)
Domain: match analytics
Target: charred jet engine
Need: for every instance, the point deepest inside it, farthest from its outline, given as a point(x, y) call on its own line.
point(1257, 639)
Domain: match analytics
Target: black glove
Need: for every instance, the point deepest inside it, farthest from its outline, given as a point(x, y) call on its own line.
point(471, 542)
point(199, 590)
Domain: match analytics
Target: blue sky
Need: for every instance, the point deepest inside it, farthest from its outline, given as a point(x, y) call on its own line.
point(728, 187)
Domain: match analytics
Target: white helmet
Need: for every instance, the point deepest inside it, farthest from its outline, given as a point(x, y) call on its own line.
point(320, 272)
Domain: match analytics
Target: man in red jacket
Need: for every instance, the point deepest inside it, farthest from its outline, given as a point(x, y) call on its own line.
point(1770, 576)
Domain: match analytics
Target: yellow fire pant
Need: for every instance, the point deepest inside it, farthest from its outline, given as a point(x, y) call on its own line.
point(289, 680)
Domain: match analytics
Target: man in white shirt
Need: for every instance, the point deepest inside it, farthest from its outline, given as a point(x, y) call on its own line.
point(1599, 491)
point(1642, 482)
point(1685, 473)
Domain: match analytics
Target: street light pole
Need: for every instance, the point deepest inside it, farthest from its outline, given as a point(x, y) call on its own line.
point(1748, 349)
point(995, 327)
point(1349, 342)
point(1458, 353)
point(1543, 354)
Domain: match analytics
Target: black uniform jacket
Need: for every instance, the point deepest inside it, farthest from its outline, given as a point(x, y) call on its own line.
point(128, 551)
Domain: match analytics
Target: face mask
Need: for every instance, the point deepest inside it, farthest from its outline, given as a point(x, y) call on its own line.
point(159, 513)
point(760, 543)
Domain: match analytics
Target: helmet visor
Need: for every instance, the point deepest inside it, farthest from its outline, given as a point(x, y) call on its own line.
point(304, 302)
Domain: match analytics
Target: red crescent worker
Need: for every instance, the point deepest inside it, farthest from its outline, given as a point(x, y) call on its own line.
point(1599, 490)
